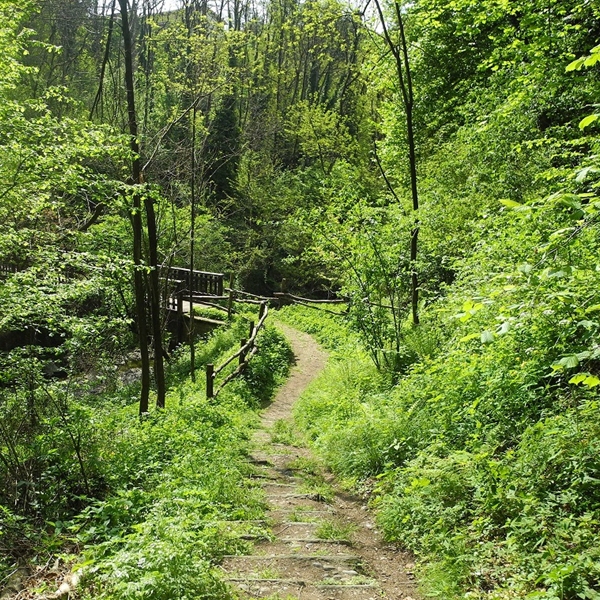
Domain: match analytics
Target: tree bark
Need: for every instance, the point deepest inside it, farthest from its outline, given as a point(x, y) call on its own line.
point(155, 308)
point(400, 54)
point(191, 331)
point(136, 216)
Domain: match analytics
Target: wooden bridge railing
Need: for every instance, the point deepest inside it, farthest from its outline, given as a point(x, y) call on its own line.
point(174, 295)
point(203, 282)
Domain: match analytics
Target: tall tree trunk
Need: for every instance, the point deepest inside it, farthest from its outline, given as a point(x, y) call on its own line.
point(155, 308)
point(191, 332)
point(399, 51)
point(136, 217)
point(105, 59)
point(153, 279)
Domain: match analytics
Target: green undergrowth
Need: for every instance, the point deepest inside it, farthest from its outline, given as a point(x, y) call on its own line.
point(327, 328)
point(332, 411)
point(484, 456)
point(210, 312)
point(176, 490)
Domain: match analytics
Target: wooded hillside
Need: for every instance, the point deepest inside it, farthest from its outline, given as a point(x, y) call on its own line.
point(435, 163)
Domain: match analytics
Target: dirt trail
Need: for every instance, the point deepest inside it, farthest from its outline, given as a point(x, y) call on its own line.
point(324, 544)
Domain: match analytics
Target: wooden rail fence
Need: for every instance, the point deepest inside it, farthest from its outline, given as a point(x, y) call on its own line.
point(207, 289)
point(248, 349)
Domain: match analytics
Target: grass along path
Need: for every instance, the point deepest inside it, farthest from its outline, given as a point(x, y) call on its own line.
point(324, 545)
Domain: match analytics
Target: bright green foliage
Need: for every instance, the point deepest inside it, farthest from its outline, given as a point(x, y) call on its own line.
point(71, 444)
point(148, 502)
point(179, 483)
point(485, 449)
point(480, 424)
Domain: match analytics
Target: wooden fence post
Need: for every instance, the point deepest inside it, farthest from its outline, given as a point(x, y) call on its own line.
point(178, 302)
point(251, 329)
point(230, 302)
point(242, 354)
point(210, 379)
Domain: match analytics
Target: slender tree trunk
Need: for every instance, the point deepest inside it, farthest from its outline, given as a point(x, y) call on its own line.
point(190, 19)
point(191, 333)
point(105, 60)
point(414, 234)
point(136, 217)
point(155, 307)
point(414, 237)
point(153, 279)
point(400, 54)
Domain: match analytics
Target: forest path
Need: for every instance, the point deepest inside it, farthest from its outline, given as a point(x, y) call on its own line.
point(324, 545)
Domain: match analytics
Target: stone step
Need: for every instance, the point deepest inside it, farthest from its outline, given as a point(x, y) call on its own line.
point(289, 588)
point(292, 530)
point(264, 474)
point(268, 458)
point(238, 521)
point(309, 567)
point(268, 474)
point(321, 558)
point(274, 547)
point(277, 486)
point(301, 513)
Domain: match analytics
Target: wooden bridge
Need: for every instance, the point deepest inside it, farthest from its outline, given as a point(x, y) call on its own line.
point(182, 290)
point(185, 288)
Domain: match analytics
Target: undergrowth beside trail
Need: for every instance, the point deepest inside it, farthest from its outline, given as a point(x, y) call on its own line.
point(484, 459)
point(175, 489)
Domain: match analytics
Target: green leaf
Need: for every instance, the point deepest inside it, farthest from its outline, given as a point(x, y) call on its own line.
point(510, 203)
point(418, 482)
point(591, 381)
point(569, 362)
point(575, 65)
point(469, 337)
point(487, 337)
point(561, 233)
point(504, 328)
point(583, 173)
point(593, 308)
point(588, 121)
point(525, 268)
point(577, 379)
point(569, 200)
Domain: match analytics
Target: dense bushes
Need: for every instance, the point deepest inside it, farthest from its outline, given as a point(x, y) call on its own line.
point(479, 432)
point(150, 503)
point(180, 485)
point(485, 451)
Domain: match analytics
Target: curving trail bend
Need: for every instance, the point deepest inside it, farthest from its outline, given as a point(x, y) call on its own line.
point(324, 543)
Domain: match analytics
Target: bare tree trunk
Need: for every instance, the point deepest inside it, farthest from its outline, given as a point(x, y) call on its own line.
point(400, 52)
point(105, 60)
point(155, 308)
point(191, 332)
point(136, 217)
